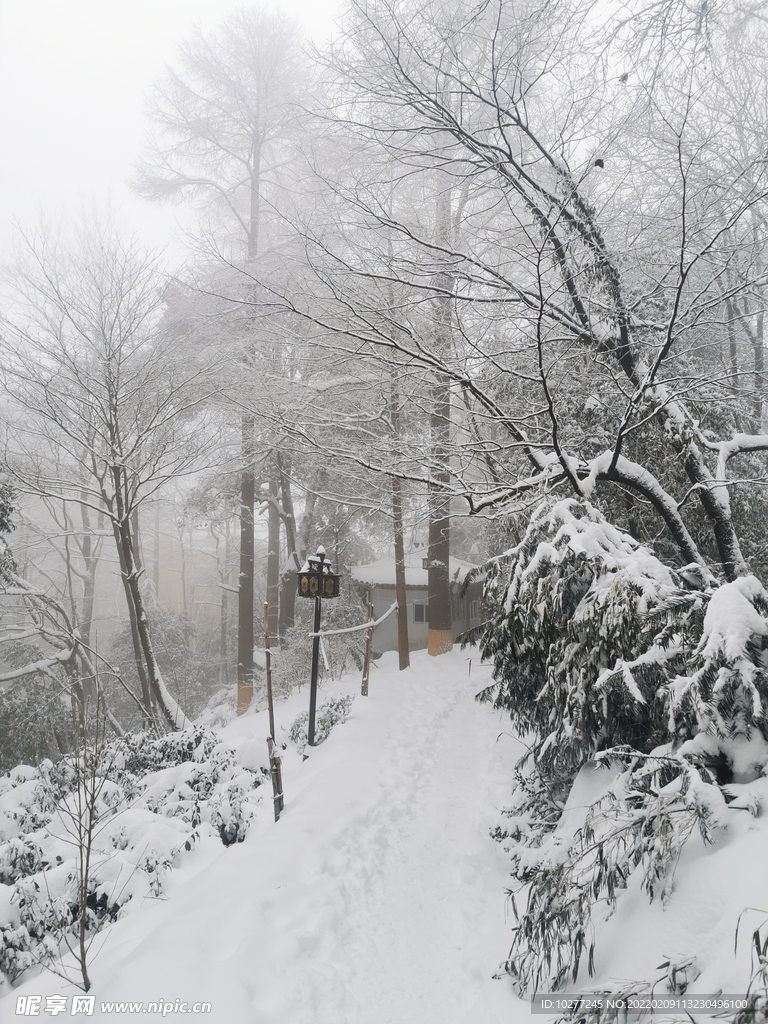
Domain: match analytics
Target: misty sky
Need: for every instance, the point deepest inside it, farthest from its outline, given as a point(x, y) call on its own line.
point(73, 79)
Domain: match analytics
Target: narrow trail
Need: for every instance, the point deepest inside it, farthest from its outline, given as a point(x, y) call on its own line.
point(416, 885)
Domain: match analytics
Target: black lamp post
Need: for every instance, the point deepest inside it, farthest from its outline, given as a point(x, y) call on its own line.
point(317, 580)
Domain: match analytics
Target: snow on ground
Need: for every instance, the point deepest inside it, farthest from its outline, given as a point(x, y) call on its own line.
point(378, 898)
point(714, 885)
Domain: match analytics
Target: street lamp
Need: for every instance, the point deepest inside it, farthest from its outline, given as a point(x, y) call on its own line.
point(316, 580)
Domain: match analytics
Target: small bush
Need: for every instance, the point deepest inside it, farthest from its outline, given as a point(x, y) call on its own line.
point(332, 711)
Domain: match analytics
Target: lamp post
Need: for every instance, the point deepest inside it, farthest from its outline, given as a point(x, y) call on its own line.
point(316, 580)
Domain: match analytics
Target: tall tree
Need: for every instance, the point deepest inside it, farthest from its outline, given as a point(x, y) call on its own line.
point(588, 275)
point(223, 126)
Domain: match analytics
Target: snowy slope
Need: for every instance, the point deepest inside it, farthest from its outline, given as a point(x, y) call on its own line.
point(377, 898)
point(713, 886)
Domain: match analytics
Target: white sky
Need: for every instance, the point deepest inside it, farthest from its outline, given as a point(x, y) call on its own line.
point(73, 79)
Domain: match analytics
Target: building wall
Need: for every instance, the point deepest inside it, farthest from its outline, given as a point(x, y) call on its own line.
point(466, 614)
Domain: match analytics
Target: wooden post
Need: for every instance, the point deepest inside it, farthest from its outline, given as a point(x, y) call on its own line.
point(313, 679)
point(276, 772)
point(268, 669)
point(368, 643)
point(275, 769)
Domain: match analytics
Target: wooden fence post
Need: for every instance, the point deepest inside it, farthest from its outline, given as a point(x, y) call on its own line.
point(368, 643)
point(275, 769)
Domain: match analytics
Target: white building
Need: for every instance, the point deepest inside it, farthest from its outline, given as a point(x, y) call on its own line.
point(379, 578)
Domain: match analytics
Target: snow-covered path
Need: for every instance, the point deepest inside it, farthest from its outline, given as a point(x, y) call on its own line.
point(377, 899)
point(418, 923)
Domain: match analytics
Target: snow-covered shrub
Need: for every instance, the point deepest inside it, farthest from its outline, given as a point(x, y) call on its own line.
point(757, 990)
point(19, 857)
point(220, 710)
point(568, 634)
point(332, 711)
point(154, 800)
point(725, 690)
point(626, 812)
point(231, 814)
point(15, 953)
point(602, 653)
point(140, 753)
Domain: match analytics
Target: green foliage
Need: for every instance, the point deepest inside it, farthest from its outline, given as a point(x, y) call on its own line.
point(7, 505)
point(567, 631)
point(35, 722)
point(604, 655)
point(642, 822)
point(332, 711)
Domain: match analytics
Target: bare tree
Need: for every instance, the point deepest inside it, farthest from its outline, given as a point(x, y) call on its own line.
point(95, 377)
point(591, 272)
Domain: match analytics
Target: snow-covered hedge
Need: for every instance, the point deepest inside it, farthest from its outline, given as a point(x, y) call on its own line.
point(333, 710)
point(157, 798)
point(575, 662)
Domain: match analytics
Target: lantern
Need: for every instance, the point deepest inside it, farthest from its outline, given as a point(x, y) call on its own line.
point(316, 580)
point(316, 577)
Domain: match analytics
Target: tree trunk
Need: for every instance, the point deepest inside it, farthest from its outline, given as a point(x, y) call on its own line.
point(246, 577)
point(401, 594)
point(759, 375)
point(156, 554)
point(273, 554)
point(146, 692)
point(136, 540)
point(224, 614)
point(404, 658)
point(245, 637)
point(126, 543)
point(288, 577)
point(440, 631)
point(308, 519)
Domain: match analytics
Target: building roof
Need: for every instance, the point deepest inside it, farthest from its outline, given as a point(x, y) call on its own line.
point(382, 573)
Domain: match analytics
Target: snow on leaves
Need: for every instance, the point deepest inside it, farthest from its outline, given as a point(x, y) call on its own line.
point(569, 607)
point(160, 798)
point(332, 711)
point(606, 657)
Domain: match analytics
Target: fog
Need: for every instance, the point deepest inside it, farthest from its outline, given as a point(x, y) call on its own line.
point(73, 84)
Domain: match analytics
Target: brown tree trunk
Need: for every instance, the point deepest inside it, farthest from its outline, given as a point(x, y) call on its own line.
point(440, 631)
point(759, 375)
point(246, 582)
point(224, 613)
point(146, 692)
point(126, 544)
point(288, 577)
point(273, 554)
point(403, 654)
point(246, 577)
point(401, 594)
